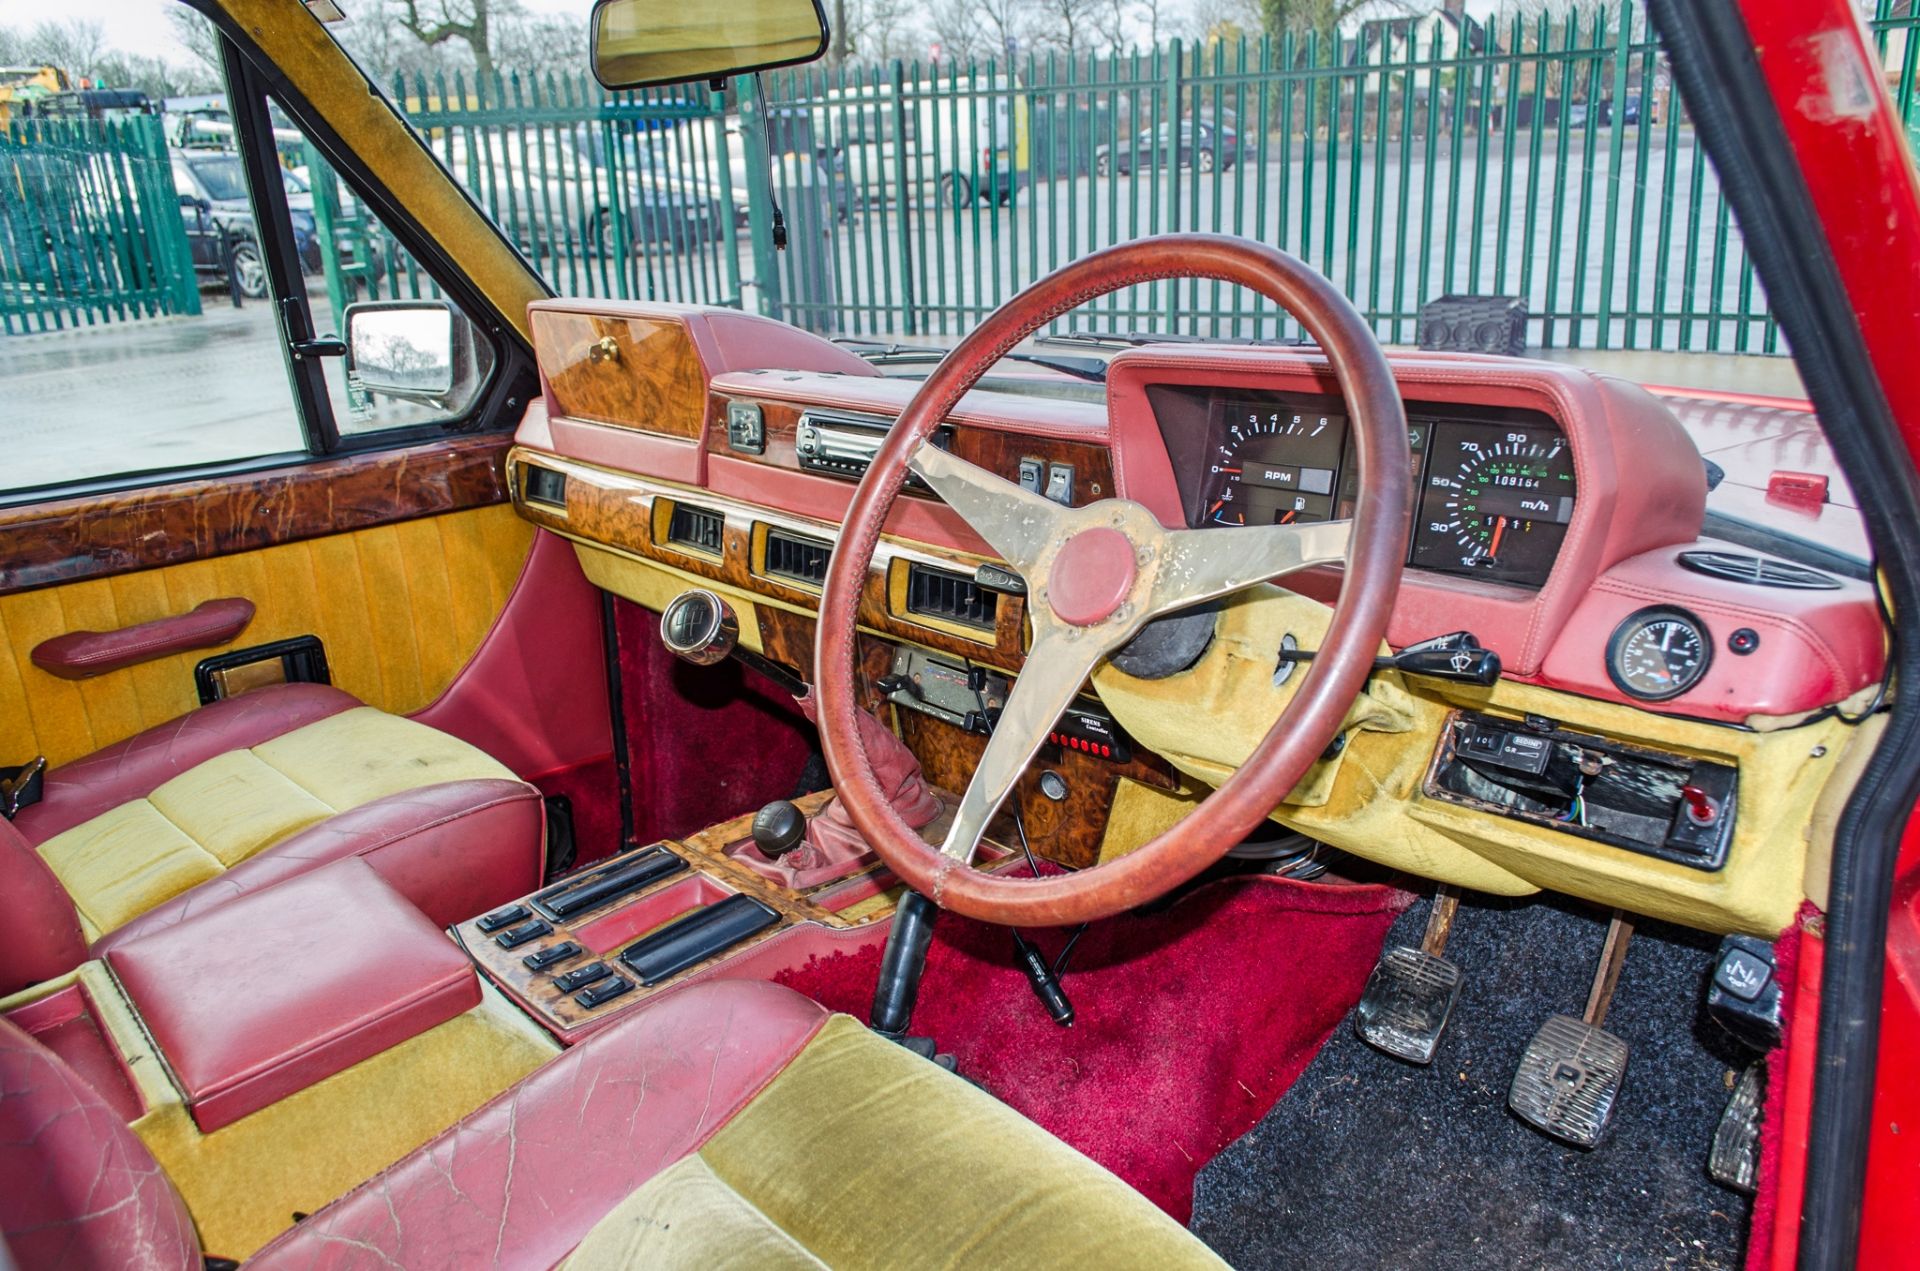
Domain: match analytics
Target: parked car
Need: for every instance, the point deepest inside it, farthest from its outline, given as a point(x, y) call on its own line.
point(1205, 146)
point(562, 185)
point(219, 217)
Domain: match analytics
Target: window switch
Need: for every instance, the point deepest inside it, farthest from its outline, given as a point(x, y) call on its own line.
point(1060, 483)
point(603, 992)
point(580, 977)
point(551, 954)
point(1032, 475)
point(503, 918)
point(514, 937)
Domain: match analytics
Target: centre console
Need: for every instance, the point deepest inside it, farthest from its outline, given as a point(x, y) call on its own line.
point(582, 951)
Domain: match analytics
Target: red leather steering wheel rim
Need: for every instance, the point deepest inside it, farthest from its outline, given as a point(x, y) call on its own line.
point(1376, 555)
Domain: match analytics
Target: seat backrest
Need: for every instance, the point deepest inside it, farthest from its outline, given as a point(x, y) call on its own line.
point(43, 930)
point(77, 1188)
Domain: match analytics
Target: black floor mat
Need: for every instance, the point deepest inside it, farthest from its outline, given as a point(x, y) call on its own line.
point(1370, 1162)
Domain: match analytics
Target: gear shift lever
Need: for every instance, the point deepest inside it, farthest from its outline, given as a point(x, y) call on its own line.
point(778, 828)
point(800, 853)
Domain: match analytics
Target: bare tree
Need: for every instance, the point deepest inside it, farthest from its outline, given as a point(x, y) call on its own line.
point(956, 30)
point(469, 21)
point(882, 29)
point(77, 46)
point(194, 33)
point(1224, 19)
point(1069, 25)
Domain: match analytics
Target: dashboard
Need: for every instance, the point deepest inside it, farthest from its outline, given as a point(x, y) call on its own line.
point(1496, 487)
point(1557, 518)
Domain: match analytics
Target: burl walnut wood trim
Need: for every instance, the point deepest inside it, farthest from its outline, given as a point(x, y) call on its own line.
point(1068, 832)
point(998, 452)
point(43, 544)
point(619, 510)
point(630, 372)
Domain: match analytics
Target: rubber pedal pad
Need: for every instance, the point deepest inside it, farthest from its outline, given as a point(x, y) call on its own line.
point(1568, 1080)
point(1733, 1161)
point(1408, 1000)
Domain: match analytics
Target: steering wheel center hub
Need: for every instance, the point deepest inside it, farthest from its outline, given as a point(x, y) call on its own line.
point(1091, 576)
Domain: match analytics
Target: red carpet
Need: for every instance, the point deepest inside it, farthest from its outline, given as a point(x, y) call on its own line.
point(1189, 1025)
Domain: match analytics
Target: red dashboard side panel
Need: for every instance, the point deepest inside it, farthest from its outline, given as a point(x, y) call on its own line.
point(534, 696)
point(1815, 647)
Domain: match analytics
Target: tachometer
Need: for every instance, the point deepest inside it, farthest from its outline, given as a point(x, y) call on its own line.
point(1659, 652)
point(1496, 503)
point(1272, 465)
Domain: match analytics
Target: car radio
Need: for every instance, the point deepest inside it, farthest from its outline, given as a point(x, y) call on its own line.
point(842, 444)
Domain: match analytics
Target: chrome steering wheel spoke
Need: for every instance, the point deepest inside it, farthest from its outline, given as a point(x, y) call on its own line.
point(1197, 565)
point(1059, 662)
point(1016, 523)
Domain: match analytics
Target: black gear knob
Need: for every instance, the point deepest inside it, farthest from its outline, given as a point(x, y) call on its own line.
point(778, 828)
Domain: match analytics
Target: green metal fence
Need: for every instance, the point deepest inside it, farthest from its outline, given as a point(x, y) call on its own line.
point(626, 195)
point(1542, 158)
point(1422, 157)
point(90, 226)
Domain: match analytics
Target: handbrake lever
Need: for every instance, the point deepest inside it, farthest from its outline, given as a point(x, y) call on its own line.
point(1455, 656)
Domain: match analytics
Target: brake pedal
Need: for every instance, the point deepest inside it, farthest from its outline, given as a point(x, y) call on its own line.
point(1570, 1074)
point(1734, 1159)
point(1411, 994)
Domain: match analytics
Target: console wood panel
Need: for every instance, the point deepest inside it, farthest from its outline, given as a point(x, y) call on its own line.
point(628, 371)
point(95, 537)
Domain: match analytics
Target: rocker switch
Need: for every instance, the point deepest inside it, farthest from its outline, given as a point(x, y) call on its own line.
point(1032, 475)
point(1060, 483)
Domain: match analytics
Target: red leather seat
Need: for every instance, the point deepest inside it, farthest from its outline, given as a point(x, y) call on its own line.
point(245, 793)
point(585, 1143)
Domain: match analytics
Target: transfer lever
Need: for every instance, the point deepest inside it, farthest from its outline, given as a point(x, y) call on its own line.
point(1457, 656)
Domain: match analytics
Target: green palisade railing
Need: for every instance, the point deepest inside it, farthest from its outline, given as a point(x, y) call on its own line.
point(90, 226)
point(1545, 159)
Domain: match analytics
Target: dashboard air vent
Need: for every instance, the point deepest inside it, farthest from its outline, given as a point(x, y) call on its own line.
point(796, 557)
point(935, 593)
point(696, 528)
point(543, 486)
point(1758, 571)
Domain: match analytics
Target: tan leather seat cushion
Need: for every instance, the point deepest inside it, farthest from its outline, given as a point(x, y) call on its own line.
point(211, 817)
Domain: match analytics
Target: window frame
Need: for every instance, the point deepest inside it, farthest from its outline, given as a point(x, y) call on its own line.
point(499, 405)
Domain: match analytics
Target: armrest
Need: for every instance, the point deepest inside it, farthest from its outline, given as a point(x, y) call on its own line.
point(79, 655)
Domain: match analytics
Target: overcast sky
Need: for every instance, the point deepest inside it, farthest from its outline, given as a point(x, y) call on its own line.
point(141, 26)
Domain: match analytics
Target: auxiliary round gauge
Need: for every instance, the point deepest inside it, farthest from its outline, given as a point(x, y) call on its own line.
point(1658, 653)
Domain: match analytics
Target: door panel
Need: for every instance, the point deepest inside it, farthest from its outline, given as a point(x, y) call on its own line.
point(401, 608)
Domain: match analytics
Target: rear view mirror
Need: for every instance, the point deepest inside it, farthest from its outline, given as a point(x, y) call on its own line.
point(402, 348)
point(637, 43)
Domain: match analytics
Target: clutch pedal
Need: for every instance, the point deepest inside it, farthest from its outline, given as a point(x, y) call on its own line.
point(1411, 994)
point(1570, 1074)
point(1734, 1159)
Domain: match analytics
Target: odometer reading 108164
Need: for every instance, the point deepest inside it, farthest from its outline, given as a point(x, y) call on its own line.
point(1496, 502)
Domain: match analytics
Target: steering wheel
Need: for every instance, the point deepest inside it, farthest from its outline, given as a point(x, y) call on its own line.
point(1096, 575)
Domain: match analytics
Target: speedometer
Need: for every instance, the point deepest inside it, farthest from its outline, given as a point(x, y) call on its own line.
point(1659, 652)
point(1497, 501)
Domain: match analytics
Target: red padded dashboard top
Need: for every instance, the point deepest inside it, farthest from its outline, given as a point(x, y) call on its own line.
point(1641, 499)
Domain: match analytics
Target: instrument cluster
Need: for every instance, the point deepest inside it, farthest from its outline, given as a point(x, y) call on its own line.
point(1495, 486)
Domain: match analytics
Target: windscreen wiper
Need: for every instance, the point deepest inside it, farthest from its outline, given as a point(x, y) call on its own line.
point(1091, 369)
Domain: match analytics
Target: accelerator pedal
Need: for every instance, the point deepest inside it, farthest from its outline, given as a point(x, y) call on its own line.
point(1411, 994)
point(1734, 1159)
point(1570, 1074)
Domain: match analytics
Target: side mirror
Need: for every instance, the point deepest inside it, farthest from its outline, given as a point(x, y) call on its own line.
point(638, 43)
point(402, 348)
